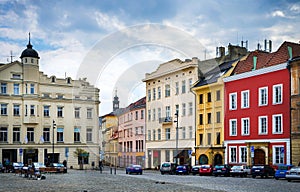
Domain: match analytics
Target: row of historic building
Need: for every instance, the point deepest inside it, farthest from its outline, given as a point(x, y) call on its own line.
point(238, 108)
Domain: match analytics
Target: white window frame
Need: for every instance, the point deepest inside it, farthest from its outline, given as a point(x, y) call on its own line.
point(158, 93)
point(149, 94)
point(183, 109)
point(231, 128)
point(274, 126)
point(176, 88)
point(245, 128)
point(260, 125)
point(261, 98)
point(231, 97)
point(241, 154)
point(183, 86)
point(277, 99)
point(275, 154)
point(167, 90)
point(245, 104)
point(153, 114)
point(232, 159)
point(154, 94)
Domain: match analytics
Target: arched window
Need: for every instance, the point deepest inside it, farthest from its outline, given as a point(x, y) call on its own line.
point(53, 79)
point(69, 80)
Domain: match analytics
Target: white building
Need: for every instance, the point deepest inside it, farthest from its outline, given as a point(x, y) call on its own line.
point(33, 103)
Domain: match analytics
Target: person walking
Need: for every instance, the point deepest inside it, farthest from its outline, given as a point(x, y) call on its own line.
point(100, 166)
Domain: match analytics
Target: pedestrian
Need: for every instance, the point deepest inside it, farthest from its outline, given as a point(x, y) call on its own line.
point(100, 166)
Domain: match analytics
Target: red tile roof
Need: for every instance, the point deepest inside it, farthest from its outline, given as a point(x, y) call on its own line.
point(265, 59)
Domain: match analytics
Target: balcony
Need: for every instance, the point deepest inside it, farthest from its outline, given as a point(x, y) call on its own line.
point(165, 120)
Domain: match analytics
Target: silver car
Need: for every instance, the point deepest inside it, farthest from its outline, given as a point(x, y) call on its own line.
point(240, 170)
point(293, 174)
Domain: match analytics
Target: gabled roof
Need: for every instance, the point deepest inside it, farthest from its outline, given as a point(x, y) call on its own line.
point(265, 59)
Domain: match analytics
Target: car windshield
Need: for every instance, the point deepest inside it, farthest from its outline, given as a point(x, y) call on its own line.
point(219, 166)
point(283, 167)
point(237, 167)
point(205, 166)
point(138, 166)
point(258, 166)
point(165, 165)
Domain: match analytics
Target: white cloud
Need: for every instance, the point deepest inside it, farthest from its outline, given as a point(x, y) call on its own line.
point(278, 13)
point(108, 22)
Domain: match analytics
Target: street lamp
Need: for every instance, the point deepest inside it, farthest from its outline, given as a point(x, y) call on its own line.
point(176, 155)
point(54, 125)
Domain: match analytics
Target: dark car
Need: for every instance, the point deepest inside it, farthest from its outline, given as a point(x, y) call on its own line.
point(168, 167)
point(206, 170)
point(221, 170)
point(195, 169)
point(182, 170)
point(262, 170)
point(134, 169)
point(281, 171)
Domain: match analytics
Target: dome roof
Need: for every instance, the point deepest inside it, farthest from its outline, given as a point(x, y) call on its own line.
point(29, 52)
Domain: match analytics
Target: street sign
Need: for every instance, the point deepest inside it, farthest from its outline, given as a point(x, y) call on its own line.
point(252, 149)
point(67, 152)
point(21, 151)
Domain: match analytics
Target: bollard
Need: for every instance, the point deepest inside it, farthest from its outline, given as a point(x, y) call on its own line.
point(110, 170)
point(115, 170)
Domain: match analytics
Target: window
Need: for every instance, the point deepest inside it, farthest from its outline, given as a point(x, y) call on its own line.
point(46, 134)
point(209, 97)
point(89, 113)
point(233, 127)
point(243, 154)
point(245, 126)
point(277, 94)
point(183, 88)
point(168, 111)
point(232, 101)
point(190, 84)
point(218, 95)
point(190, 132)
point(245, 99)
point(201, 99)
point(26, 88)
point(183, 109)
point(77, 112)
point(158, 113)
point(76, 134)
point(60, 134)
point(3, 88)
point(149, 115)
point(159, 134)
point(149, 135)
point(16, 110)
point(208, 138)
point(136, 115)
point(16, 89)
point(16, 134)
point(262, 125)
point(61, 96)
point(142, 114)
point(46, 111)
point(201, 119)
point(278, 154)
point(177, 109)
point(168, 133)
point(167, 91)
point(89, 135)
point(149, 95)
point(167, 155)
point(201, 139)
point(31, 88)
point(153, 112)
point(277, 123)
point(183, 132)
point(154, 93)
point(3, 134)
point(3, 109)
point(208, 118)
point(154, 135)
point(30, 134)
point(16, 76)
point(232, 155)
point(263, 96)
point(32, 110)
point(218, 138)
point(26, 108)
point(176, 88)
point(218, 115)
point(158, 93)
point(190, 108)
point(59, 111)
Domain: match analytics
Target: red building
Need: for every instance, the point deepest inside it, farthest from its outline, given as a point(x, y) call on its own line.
point(257, 108)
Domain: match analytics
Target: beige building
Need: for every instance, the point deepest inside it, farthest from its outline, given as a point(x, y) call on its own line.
point(46, 119)
point(170, 137)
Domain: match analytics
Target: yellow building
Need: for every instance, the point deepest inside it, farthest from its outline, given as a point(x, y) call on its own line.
point(46, 119)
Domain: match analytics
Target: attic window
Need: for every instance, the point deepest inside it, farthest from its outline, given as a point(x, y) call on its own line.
point(53, 79)
point(69, 80)
point(16, 76)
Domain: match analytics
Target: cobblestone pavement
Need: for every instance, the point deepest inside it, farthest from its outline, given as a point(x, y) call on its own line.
point(89, 180)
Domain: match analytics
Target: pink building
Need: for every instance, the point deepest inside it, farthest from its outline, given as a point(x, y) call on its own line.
point(257, 108)
point(131, 131)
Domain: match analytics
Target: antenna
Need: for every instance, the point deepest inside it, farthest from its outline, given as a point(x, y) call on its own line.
point(268, 48)
point(11, 56)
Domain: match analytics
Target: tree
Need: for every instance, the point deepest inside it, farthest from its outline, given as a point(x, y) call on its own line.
point(81, 154)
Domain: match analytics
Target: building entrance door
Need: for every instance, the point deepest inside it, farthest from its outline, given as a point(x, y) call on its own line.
point(218, 160)
point(259, 157)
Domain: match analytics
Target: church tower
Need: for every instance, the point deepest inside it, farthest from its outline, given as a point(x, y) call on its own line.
point(116, 102)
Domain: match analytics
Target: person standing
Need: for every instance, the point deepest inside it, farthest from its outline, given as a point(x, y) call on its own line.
point(100, 166)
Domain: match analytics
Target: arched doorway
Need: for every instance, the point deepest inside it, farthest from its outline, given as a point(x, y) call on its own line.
point(218, 160)
point(203, 159)
point(259, 157)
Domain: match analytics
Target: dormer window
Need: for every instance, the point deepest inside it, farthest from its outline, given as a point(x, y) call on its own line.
point(32, 61)
point(16, 76)
point(25, 60)
point(60, 96)
point(53, 79)
point(69, 80)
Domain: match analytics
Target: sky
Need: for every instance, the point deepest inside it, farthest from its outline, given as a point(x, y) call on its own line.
point(114, 43)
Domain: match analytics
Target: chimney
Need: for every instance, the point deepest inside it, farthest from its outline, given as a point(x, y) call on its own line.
point(222, 51)
point(270, 46)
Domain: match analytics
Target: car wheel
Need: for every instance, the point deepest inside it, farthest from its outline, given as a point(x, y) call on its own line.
point(289, 180)
point(162, 173)
point(141, 173)
point(126, 172)
point(276, 178)
point(253, 176)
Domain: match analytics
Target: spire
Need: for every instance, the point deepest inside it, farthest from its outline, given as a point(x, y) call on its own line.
point(29, 46)
point(116, 101)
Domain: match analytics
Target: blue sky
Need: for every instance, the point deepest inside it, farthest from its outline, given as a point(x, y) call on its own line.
point(65, 32)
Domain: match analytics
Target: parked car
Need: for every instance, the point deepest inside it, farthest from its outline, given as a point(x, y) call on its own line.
point(182, 170)
point(60, 168)
point(262, 170)
point(38, 165)
point(168, 167)
point(281, 171)
point(293, 174)
point(195, 169)
point(134, 169)
point(240, 170)
point(221, 170)
point(206, 170)
point(17, 166)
